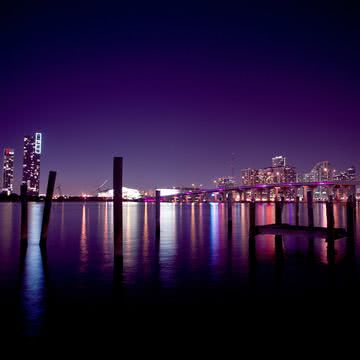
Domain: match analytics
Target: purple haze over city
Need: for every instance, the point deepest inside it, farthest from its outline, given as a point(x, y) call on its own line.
point(176, 88)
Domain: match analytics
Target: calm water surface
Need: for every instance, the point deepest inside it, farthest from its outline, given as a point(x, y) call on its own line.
point(197, 261)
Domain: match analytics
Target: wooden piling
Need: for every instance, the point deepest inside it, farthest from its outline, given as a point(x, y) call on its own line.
point(157, 212)
point(117, 207)
point(47, 208)
point(297, 212)
point(252, 219)
point(24, 215)
point(330, 214)
point(350, 215)
point(310, 208)
point(278, 210)
point(229, 203)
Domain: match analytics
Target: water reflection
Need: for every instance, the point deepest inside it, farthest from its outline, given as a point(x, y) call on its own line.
point(168, 244)
point(84, 252)
point(33, 269)
point(195, 250)
point(106, 236)
point(192, 231)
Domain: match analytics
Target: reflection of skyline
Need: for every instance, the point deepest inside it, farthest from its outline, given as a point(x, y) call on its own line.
point(168, 243)
point(83, 242)
point(146, 231)
point(197, 248)
point(107, 238)
point(34, 280)
point(192, 230)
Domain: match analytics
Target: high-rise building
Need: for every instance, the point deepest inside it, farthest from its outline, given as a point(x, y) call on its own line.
point(279, 161)
point(349, 174)
point(8, 167)
point(269, 175)
point(31, 165)
point(249, 176)
point(225, 182)
point(351, 171)
point(322, 171)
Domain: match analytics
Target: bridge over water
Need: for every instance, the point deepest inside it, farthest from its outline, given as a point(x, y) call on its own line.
point(339, 190)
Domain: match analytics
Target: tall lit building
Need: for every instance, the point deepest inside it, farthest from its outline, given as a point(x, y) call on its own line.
point(322, 171)
point(31, 164)
point(279, 161)
point(8, 167)
point(249, 176)
point(225, 182)
point(269, 175)
point(351, 171)
point(349, 174)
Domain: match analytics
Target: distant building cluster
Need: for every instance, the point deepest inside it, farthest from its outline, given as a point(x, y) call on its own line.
point(225, 182)
point(31, 166)
point(324, 171)
point(279, 172)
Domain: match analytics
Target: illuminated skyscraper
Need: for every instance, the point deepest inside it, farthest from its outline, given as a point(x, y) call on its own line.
point(279, 161)
point(8, 171)
point(31, 165)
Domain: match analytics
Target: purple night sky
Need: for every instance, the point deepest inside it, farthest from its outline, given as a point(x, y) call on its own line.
point(176, 89)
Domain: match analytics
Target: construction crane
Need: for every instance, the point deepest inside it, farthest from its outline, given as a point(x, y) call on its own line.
point(99, 187)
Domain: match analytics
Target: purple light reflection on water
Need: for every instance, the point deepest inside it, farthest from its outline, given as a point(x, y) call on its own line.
point(196, 251)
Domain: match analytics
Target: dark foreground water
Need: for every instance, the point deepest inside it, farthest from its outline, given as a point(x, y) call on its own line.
point(198, 265)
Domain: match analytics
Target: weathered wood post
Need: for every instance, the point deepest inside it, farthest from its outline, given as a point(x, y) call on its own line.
point(252, 219)
point(117, 208)
point(310, 208)
point(157, 212)
point(278, 210)
point(350, 215)
point(47, 208)
point(24, 215)
point(330, 214)
point(297, 216)
point(229, 203)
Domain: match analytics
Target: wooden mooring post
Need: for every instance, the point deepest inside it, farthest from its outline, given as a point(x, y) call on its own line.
point(310, 207)
point(157, 212)
point(252, 220)
point(47, 208)
point(330, 214)
point(278, 211)
point(229, 203)
point(297, 212)
point(117, 208)
point(24, 215)
point(350, 215)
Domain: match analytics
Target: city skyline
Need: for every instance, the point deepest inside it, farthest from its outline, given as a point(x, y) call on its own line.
point(176, 90)
point(279, 171)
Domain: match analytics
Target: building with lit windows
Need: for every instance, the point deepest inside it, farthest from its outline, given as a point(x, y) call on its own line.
point(271, 174)
point(128, 194)
point(8, 173)
point(322, 171)
point(349, 174)
point(31, 163)
point(225, 182)
point(249, 176)
point(279, 161)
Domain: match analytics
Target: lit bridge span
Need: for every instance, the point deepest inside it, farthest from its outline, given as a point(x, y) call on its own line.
point(339, 190)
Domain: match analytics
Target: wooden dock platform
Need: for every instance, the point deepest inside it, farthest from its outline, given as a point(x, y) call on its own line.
point(286, 229)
